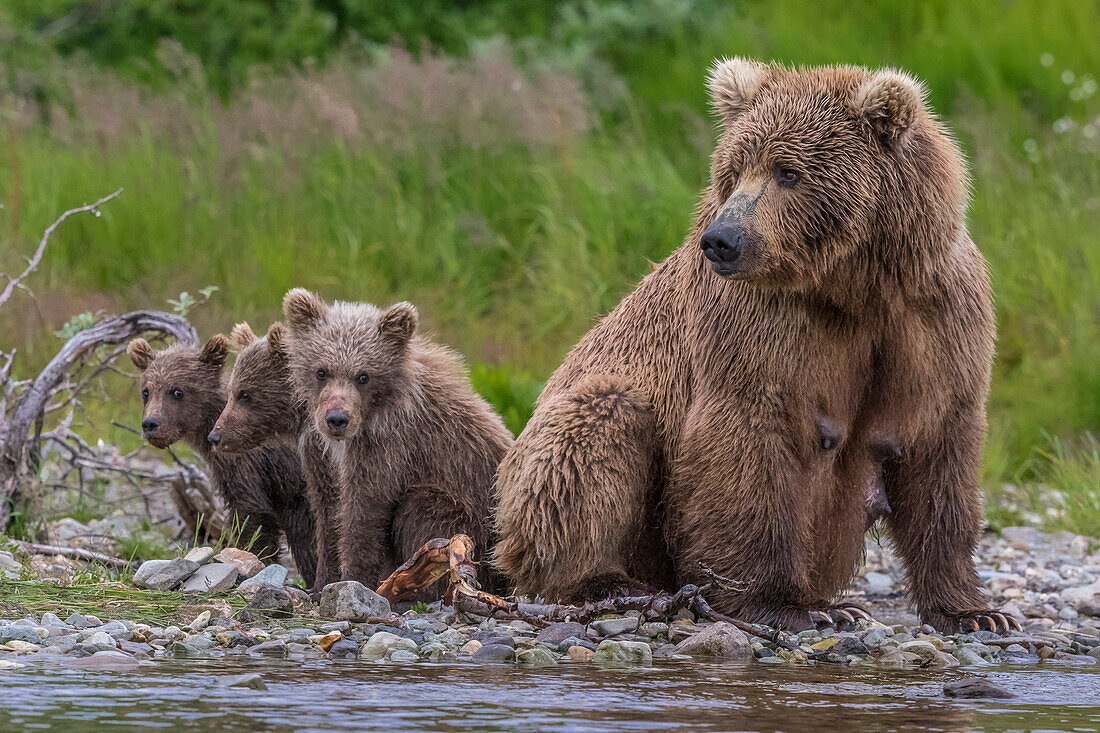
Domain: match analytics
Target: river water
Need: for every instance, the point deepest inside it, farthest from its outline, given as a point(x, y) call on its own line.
point(336, 695)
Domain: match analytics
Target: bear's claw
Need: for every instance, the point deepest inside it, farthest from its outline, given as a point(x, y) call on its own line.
point(842, 615)
point(994, 621)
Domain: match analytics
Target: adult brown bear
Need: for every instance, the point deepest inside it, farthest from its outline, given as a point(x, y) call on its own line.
point(829, 301)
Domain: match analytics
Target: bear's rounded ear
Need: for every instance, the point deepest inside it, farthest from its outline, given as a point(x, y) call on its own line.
point(398, 322)
point(303, 309)
point(141, 353)
point(276, 340)
point(215, 351)
point(733, 83)
point(889, 101)
point(241, 336)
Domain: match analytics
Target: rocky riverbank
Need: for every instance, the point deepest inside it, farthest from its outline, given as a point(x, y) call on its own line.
point(231, 604)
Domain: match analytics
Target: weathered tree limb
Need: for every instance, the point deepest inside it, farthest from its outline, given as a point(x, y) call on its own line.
point(75, 552)
point(441, 558)
point(32, 263)
point(16, 431)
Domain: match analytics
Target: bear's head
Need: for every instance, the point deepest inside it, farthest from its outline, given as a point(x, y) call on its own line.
point(816, 167)
point(181, 389)
point(349, 362)
point(259, 399)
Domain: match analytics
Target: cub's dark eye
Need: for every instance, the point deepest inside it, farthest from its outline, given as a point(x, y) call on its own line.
point(786, 177)
point(176, 394)
point(322, 375)
point(828, 442)
point(363, 378)
point(244, 395)
point(145, 395)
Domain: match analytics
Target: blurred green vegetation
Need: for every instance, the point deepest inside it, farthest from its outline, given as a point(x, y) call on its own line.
point(515, 167)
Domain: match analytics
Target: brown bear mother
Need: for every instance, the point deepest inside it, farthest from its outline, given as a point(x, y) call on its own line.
point(723, 414)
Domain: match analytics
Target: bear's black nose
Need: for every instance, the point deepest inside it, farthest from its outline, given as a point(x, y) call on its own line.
point(722, 243)
point(336, 420)
point(214, 437)
point(149, 424)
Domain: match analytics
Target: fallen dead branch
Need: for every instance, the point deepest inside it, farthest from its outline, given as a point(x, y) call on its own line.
point(450, 559)
point(21, 432)
point(77, 553)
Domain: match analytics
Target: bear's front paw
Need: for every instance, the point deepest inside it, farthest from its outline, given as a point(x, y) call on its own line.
point(842, 616)
point(998, 623)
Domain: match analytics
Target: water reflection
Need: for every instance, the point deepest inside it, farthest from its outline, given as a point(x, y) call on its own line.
point(464, 697)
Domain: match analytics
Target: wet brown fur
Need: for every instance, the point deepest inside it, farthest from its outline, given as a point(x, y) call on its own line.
point(261, 406)
point(420, 450)
point(685, 428)
point(263, 486)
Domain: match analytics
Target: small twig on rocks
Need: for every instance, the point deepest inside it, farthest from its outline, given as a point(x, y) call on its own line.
point(75, 552)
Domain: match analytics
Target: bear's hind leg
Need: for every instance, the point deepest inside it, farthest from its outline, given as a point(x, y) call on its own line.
point(573, 492)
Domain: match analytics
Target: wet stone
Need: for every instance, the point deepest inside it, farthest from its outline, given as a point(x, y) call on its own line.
point(20, 633)
point(718, 640)
point(214, 578)
point(575, 641)
point(344, 649)
point(164, 576)
point(624, 652)
point(556, 633)
point(349, 600)
point(536, 656)
point(275, 648)
point(495, 653)
point(271, 575)
point(382, 643)
point(251, 681)
point(580, 654)
point(614, 626)
point(975, 688)
point(269, 600)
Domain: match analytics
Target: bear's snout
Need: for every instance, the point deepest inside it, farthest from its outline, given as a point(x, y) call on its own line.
point(149, 425)
point(722, 244)
point(215, 437)
point(337, 421)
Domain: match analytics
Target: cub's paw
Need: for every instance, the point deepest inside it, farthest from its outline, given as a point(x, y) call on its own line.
point(842, 616)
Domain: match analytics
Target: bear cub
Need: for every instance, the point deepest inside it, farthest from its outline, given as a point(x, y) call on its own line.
point(417, 449)
point(182, 395)
point(261, 406)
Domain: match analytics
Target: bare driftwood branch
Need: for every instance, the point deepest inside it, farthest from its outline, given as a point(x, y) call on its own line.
point(75, 552)
point(32, 263)
point(17, 428)
point(441, 558)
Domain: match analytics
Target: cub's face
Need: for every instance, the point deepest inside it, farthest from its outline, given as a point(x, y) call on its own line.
point(347, 360)
point(260, 401)
point(798, 174)
point(180, 388)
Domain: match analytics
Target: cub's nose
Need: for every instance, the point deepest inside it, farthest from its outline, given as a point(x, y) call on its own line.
point(337, 420)
point(149, 424)
point(722, 243)
point(214, 437)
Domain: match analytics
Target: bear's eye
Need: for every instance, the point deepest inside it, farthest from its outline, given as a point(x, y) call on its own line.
point(828, 442)
point(176, 394)
point(244, 395)
point(145, 395)
point(786, 177)
point(322, 375)
point(363, 378)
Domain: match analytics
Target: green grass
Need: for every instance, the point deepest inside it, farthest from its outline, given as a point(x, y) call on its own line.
point(513, 235)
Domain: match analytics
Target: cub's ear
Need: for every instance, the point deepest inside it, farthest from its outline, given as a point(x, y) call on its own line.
point(141, 353)
point(215, 351)
point(398, 322)
point(241, 336)
point(889, 101)
point(276, 340)
point(732, 84)
point(303, 309)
